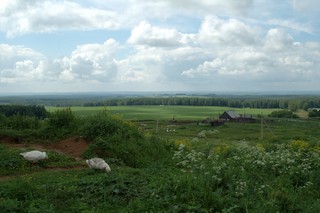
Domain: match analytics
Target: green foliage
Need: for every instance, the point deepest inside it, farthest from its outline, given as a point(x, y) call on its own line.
point(19, 122)
point(112, 137)
point(104, 124)
point(60, 124)
point(79, 191)
point(61, 119)
point(291, 102)
point(24, 110)
point(11, 162)
point(248, 178)
point(250, 101)
point(314, 113)
point(283, 114)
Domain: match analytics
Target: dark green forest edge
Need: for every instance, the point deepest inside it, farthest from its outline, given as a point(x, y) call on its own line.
point(211, 173)
point(291, 102)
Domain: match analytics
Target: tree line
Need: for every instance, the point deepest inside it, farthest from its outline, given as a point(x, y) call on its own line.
point(24, 110)
point(291, 103)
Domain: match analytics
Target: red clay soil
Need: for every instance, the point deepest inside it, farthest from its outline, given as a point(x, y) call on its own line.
point(73, 146)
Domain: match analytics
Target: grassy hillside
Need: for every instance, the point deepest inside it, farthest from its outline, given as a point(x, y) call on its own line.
point(164, 166)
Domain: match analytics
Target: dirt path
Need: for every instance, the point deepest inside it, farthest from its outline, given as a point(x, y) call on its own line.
point(73, 146)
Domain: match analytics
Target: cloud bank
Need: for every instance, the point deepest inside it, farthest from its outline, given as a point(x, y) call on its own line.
point(225, 51)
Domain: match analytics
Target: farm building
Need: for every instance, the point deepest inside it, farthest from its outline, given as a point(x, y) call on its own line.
point(234, 116)
point(229, 115)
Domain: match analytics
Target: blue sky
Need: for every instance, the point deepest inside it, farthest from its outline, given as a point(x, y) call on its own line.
point(159, 45)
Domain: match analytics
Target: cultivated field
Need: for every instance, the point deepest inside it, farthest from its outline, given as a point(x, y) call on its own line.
point(164, 112)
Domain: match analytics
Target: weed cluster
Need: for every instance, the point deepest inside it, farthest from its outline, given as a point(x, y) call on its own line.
point(242, 177)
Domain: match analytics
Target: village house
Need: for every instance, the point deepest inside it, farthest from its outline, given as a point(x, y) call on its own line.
point(231, 115)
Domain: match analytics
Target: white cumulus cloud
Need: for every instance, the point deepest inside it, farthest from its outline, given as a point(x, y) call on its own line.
point(19, 17)
point(145, 34)
point(229, 32)
point(90, 61)
point(18, 63)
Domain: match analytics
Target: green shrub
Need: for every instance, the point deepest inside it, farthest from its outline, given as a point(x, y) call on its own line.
point(60, 124)
point(283, 114)
point(11, 162)
point(8, 205)
point(19, 122)
point(105, 124)
point(112, 137)
point(314, 113)
point(64, 118)
point(134, 153)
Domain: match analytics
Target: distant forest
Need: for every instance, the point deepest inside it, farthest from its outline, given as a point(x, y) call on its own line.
point(290, 102)
point(29, 110)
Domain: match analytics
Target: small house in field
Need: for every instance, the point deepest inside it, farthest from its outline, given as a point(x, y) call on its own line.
point(229, 115)
point(234, 116)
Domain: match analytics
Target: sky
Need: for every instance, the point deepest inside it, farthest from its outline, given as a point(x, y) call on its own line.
point(159, 45)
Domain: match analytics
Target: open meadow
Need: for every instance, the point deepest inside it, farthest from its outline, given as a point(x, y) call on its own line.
point(164, 112)
point(163, 159)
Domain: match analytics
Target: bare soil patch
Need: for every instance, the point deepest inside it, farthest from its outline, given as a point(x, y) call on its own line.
point(73, 146)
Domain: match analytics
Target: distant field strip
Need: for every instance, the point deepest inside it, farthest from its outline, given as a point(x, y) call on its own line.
point(164, 112)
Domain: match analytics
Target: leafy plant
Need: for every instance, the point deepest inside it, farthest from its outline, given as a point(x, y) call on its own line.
point(104, 124)
point(11, 162)
point(283, 114)
point(60, 124)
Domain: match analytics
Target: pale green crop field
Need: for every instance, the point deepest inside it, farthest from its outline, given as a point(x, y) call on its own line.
point(164, 112)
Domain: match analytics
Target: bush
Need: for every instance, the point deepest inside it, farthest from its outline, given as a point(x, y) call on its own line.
point(60, 124)
point(112, 137)
point(283, 114)
point(60, 119)
point(105, 124)
point(314, 113)
point(19, 122)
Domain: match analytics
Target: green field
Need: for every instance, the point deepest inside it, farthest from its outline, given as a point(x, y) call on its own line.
point(164, 112)
point(158, 119)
